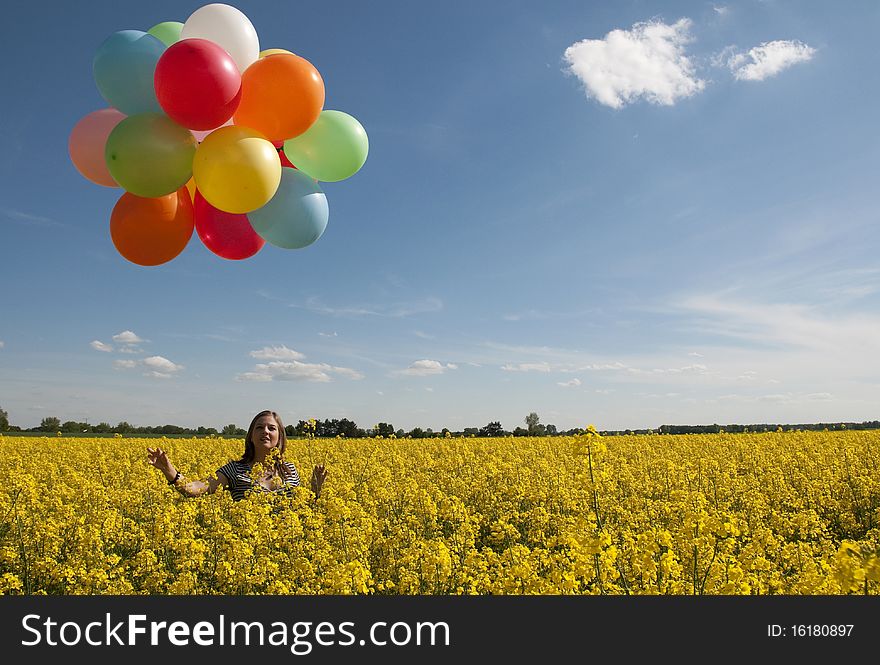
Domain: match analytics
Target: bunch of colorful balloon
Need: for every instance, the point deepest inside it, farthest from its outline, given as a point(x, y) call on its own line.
point(203, 134)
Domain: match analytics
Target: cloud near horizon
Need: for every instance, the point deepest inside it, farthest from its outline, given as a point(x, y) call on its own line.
point(426, 368)
point(294, 370)
point(646, 62)
point(276, 353)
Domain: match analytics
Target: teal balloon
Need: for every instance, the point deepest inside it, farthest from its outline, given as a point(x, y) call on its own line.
point(296, 216)
point(167, 32)
point(123, 68)
point(150, 155)
point(334, 148)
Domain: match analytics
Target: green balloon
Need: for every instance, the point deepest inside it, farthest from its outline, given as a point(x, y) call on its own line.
point(150, 155)
point(168, 32)
point(334, 148)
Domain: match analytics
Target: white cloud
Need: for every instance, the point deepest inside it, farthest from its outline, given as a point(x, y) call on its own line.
point(390, 310)
point(323, 334)
point(647, 62)
point(127, 337)
point(768, 59)
point(527, 367)
point(276, 353)
point(297, 371)
point(2, 343)
point(688, 369)
point(786, 325)
point(788, 398)
point(569, 368)
point(605, 366)
point(162, 365)
point(574, 383)
point(721, 10)
point(124, 364)
point(426, 368)
point(130, 349)
point(100, 346)
point(27, 218)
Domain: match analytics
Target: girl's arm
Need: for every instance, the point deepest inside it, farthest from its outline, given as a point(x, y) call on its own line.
point(159, 459)
point(193, 488)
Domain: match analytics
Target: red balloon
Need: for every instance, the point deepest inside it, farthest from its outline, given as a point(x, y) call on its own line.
point(279, 146)
point(197, 84)
point(228, 235)
point(284, 161)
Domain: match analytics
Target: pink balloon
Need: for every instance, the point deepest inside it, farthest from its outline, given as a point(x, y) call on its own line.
point(226, 234)
point(86, 145)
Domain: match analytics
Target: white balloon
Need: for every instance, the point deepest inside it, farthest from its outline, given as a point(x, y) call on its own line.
point(201, 134)
point(229, 28)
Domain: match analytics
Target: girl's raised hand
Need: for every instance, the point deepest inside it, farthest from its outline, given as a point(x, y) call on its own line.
point(319, 475)
point(159, 459)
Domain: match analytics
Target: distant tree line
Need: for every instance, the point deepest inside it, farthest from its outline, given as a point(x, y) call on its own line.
point(348, 429)
point(764, 427)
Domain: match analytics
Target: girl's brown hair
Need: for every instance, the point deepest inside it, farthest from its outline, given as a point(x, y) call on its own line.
point(249, 450)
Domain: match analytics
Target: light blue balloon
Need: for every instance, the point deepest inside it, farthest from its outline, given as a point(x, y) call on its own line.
point(123, 68)
point(296, 216)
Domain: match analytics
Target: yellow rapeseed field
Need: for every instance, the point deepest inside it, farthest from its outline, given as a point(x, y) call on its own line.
point(762, 513)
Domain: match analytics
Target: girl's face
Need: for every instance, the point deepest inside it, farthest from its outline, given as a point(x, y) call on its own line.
point(265, 433)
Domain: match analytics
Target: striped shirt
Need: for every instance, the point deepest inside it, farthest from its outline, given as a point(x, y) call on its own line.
point(239, 476)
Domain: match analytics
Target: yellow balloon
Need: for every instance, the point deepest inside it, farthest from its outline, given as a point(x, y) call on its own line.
point(236, 169)
point(274, 51)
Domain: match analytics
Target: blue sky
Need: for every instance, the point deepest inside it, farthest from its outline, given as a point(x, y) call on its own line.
point(621, 213)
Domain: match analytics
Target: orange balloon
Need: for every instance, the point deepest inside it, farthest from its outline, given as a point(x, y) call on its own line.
point(281, 96)
point(150, 232)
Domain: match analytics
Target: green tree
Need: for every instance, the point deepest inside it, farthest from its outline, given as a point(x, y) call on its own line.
point(50, 424)
point(71, 426)
point(491, 429)
point(533, 423)
point(4, 421)
point(383, 429)
point(230, 430)
point(349, 429)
